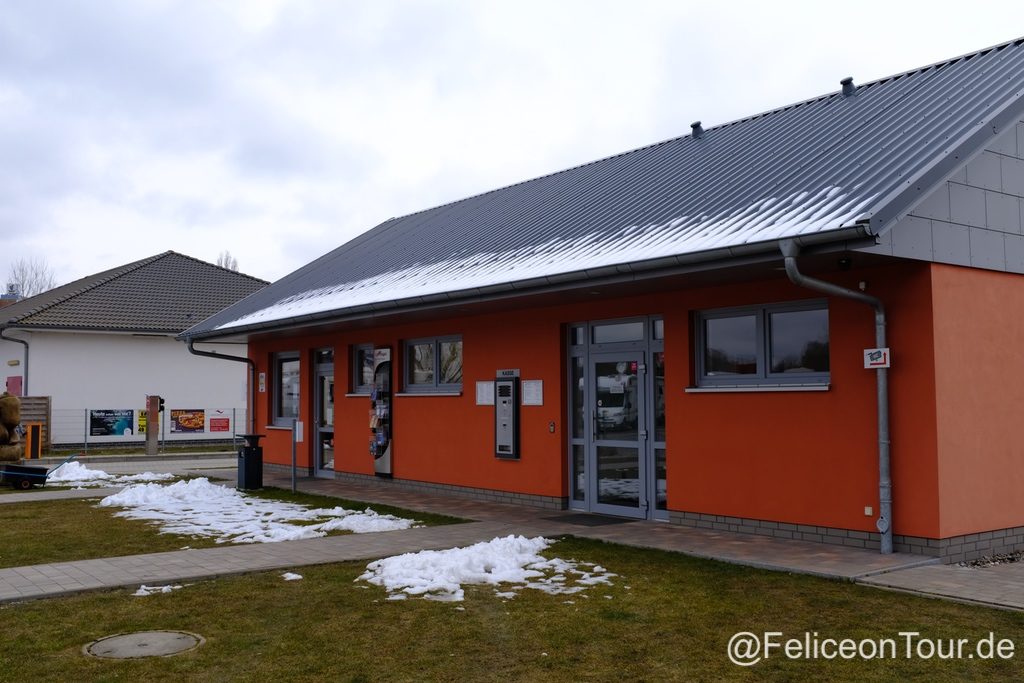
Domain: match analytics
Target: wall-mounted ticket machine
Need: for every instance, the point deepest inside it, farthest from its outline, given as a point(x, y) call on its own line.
point(380, 413)
point(506, 414)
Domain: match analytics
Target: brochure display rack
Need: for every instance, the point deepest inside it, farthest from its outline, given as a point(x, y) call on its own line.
point(380, 413)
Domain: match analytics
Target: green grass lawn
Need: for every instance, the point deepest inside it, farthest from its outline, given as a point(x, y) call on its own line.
point(64, 530)
point(667, 618)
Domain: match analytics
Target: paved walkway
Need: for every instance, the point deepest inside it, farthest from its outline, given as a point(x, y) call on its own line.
point(135, 463)
point(65, 578)
point(1001, 586)
point(767, 552)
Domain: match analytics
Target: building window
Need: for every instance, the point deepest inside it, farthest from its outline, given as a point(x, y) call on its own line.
point(773, 344)
point(286, 388)
point(433, 364)
point(362, 368)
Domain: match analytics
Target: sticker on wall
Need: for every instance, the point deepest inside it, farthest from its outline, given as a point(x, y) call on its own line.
point(485, 393)
point(876, 358)
point(533, 392)
point(263, 382)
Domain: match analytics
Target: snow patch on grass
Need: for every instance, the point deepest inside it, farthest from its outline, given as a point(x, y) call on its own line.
point(199, 508)
point(440, 574)
point(145, 590)
point(76, 474)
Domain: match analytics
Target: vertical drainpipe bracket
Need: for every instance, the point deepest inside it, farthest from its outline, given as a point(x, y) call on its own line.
point(790, 250)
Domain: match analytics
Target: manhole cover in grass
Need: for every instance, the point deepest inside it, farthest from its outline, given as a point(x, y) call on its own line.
point(143, 644)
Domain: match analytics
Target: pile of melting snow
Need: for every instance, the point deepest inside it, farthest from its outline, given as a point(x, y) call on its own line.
point(199, 508)
point(516, 560)
point(145, 590)
point(76, 474)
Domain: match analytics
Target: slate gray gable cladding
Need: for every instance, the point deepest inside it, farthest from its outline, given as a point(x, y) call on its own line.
point(162, 294)
point(843, 166)
point(973, 219)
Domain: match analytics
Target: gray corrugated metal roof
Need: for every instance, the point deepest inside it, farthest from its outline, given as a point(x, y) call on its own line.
point(808, 170)
point(165, 293)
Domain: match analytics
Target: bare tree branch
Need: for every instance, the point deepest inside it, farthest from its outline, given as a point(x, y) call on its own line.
point(31, 276)
point(226, 260)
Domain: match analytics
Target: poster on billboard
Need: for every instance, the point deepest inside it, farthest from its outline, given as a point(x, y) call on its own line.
point(111, 422)
point(188, 421)
point(142, 421)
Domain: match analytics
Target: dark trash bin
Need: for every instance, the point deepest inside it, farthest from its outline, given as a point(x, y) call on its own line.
point(250, 463)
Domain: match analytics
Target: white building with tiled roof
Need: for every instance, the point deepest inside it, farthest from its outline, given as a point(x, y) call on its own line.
point(99, 345)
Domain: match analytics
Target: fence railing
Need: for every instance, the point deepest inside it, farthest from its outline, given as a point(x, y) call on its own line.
point(115, 426)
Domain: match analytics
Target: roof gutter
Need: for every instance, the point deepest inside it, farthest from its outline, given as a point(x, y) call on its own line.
point(24, 388)
point(790, 250)
point(251, 409)
point(636, 271)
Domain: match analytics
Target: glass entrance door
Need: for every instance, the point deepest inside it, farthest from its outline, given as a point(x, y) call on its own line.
point(324, 457)
point(616, 400)
point(617, 460)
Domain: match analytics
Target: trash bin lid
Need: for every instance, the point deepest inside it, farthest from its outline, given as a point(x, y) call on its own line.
point(252, 440)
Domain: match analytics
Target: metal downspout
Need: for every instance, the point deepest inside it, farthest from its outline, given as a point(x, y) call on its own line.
point(790, 250)
point(24, 388)
point(252, 378)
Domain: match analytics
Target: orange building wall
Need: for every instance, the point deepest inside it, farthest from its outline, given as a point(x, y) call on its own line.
point(979, 332)
point(799, 457)
point(812, 457)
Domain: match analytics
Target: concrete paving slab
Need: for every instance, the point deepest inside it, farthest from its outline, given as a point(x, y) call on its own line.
point(764, 552)
point(1000, 585)
point(37, 495)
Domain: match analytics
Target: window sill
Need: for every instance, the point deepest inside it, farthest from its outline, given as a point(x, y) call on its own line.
point(756, 388)
point(358, 394)
point(430, 393)
point(277, 428)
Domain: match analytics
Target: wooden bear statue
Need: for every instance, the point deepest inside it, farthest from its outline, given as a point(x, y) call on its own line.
point(10, 417)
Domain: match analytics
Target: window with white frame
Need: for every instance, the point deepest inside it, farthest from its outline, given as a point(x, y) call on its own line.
point(286, 388)
point(362, 368)
point(433, 364)
point(773, 344)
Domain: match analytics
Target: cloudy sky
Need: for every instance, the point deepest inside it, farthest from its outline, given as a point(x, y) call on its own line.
point(280, 129)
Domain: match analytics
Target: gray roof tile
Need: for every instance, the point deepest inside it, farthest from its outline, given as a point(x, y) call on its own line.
point(165, 293)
